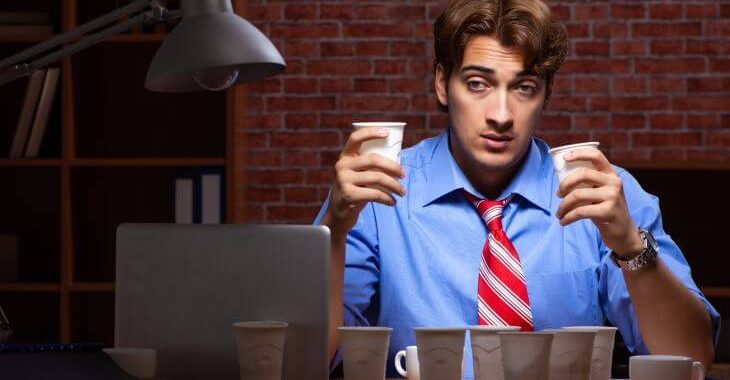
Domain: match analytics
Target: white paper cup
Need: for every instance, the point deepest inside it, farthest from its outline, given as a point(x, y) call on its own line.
point(486, 351)
point(440, 352)
point(388, 147)
point(571, 353)
point(526, 355)
point(260, 349)
point(602, 349)
point(364, 351)
point(664, 367)
point(410, 371)
point(564, 169)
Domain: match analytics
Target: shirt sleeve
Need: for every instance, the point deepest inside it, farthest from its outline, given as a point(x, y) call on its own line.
point(362, 271)
point(613, 294)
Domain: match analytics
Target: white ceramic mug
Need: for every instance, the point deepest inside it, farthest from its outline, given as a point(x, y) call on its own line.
point(410, 372)
point(664, 367)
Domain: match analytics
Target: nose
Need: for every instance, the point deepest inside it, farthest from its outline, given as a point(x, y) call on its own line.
point(499, 112)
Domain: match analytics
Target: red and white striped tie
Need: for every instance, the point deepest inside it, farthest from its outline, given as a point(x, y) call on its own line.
point(502, 298)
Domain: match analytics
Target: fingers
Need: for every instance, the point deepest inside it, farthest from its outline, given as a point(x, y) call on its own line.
point(586, 176)
point(581, 197)
point(354, 196)
point(595, 156)
point(360, 135)
point(376, 162)
point(598, 213)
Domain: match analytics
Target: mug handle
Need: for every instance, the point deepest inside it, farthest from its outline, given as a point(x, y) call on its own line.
point(700, 370)
point(398, 365)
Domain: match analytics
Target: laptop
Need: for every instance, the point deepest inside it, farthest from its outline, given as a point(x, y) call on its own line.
point(180, 288)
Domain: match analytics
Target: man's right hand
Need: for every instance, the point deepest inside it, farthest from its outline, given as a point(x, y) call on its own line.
point(360, 179)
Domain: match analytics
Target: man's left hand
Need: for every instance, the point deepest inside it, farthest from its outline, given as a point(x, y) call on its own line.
point(604, 202)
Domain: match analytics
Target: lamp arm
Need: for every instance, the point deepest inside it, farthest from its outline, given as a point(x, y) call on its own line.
point(74, 33)
point(158, 13)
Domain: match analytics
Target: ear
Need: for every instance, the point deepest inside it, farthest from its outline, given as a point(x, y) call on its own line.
point(440, 83)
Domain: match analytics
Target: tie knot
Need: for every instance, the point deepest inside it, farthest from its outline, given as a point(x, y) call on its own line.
point(490, 211)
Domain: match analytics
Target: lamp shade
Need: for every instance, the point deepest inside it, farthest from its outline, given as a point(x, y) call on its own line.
point(212, 42)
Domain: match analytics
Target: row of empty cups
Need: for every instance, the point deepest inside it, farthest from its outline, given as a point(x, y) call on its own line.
point(497, 353)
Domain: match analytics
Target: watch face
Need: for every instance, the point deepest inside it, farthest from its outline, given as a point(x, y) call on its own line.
point(650, 242)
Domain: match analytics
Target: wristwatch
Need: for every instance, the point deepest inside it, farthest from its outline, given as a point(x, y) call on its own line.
point(639, 260)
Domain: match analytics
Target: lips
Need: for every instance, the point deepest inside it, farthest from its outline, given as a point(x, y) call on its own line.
point(495, 142)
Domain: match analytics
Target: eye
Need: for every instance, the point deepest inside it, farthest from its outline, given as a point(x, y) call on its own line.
point(476, 86)
point(526, 89)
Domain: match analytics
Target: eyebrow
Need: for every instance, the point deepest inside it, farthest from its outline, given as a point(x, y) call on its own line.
point(490, 71)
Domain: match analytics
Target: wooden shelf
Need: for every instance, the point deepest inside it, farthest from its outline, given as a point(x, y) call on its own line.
point(147, 162)
point(92, 287)
point(674, 165)
point(43, 162)
point(28, 287)
point(32, 39)
point(716, 291)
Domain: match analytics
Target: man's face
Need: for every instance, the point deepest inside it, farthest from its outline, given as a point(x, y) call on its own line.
point(494, 108)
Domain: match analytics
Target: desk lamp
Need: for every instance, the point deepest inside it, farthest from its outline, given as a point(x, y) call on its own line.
point(211, 49)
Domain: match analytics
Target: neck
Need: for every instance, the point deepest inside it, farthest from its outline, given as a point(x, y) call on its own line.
point(490, 182)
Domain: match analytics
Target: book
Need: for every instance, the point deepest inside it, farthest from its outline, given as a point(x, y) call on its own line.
point(184, 200)
point(40, 122)
point(211, 198)
point(24, 18)
point(9, 268)
point(35, 84)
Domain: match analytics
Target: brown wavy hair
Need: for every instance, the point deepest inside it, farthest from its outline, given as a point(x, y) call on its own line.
point(526, 24)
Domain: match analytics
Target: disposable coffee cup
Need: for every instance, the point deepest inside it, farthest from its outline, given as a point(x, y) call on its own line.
point(486, 351)
point(526, 355)
point(260, 349)
point(571, 353)
point(602, 350)
point(562, 168)
point(388, 147)
point(664, 367)
point(364, 351)
point(440, 352)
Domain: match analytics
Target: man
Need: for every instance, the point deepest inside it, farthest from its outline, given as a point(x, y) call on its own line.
point(419, 254)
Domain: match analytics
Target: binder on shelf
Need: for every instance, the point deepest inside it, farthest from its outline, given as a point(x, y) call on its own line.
point(184, 200)
point(211, 197)
point(199, 197)
point(9, 268)
point(40, 122)
point(32, 94)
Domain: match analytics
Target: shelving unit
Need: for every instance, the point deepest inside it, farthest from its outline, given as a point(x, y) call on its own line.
point(111, 155)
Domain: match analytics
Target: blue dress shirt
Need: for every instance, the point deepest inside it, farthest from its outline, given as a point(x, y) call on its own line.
point(416, 264)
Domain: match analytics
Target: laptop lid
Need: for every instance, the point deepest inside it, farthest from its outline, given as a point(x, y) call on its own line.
point(179, 289)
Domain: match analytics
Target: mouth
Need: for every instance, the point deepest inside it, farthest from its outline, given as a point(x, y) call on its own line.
point(496, 142)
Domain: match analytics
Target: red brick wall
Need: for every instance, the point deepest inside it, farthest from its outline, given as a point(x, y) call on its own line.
point(649, 79)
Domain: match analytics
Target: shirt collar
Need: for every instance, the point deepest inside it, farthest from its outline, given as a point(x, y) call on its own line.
point(531, 181)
